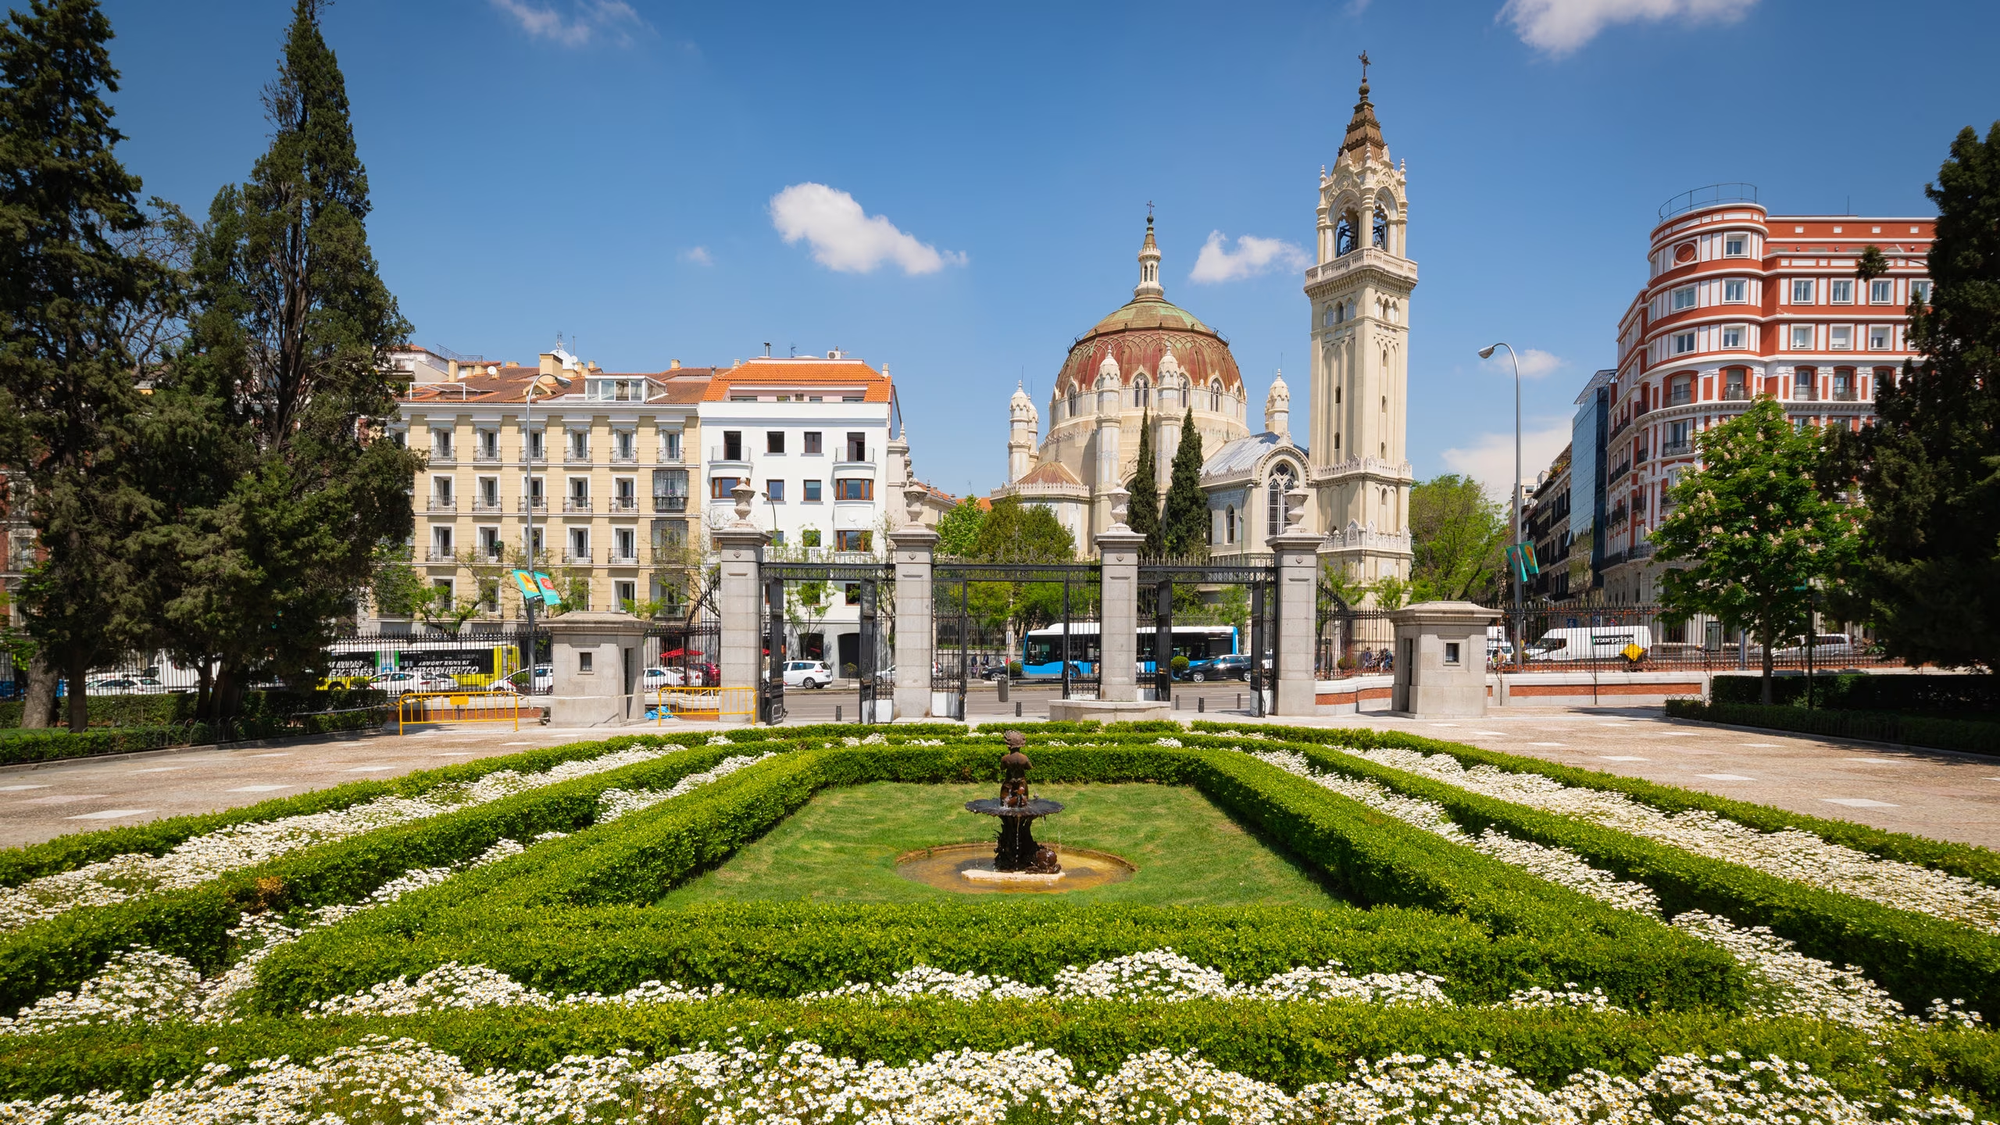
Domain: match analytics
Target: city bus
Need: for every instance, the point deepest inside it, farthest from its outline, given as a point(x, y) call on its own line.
point(1042, 649)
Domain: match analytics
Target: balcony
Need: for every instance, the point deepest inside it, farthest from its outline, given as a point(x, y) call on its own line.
point(628, 556)
point(442, 457)
point(1843, 394)
point(20, 562)
point(537, 504)
point(487, 456)
point(576, 558)
point(1619, 470)
point(673, 554)
point(573, 504)
point(1639, 456)
point(1681, 448)
point(1735, 394)
point(1620, 428)
point(490, 504)
point(492, 556)
point(439, 555)
point(670, 503)
point(1805, 393)
point(576, 457)
point(442, 504)
point(623, 504)
point(629, 457)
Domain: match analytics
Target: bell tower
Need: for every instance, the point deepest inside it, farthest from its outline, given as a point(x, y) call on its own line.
point(1359, 293)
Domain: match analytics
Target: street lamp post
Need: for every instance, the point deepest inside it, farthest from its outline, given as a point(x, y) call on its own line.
point(1520, 572)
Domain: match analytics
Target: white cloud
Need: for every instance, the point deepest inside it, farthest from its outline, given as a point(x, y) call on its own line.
point(698, 255)
point(588, 20)
point(1535, 363)
point(1558, 27)
point(1489, 458)
point(1251, 257)
point(845, 238)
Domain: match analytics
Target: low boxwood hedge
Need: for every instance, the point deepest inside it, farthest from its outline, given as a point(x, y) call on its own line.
point(1969, 736)
point(561, 914)
point(1917, 693)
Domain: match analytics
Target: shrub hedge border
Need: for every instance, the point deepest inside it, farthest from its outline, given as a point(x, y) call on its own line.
point(1968, 860)
point(1963, 735)
point(1289, 1044)
point(494, 916)
point(61, 745)
point(1916, 957)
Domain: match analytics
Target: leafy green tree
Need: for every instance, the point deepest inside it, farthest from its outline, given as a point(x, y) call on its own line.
point(958, 529)
point(1753, 529)
point(397, 586)
point(290, 329)
point(1928, 577)
point(1459, 537)
point(1018, 532)
point(68, 399)
point(1143, 507)
point(1185, 522)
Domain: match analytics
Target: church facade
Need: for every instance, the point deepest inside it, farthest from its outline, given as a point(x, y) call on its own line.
point(1144, 366)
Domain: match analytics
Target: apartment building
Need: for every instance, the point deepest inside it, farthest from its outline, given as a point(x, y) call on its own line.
point(594, 475)
point(1741, 303)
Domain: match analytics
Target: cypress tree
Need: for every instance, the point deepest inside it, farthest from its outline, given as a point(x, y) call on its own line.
point(67, 396)
point(289, 345)
point(1144, 514)
point(1185, 522)
point(1929, 573)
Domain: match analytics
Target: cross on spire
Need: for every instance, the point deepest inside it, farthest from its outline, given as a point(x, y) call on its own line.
point(1149, 210)
point(1364, 66)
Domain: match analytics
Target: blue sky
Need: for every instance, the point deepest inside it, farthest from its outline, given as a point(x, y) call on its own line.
point(626, 173)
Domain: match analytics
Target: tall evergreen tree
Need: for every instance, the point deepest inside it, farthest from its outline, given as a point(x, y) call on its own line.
point(288, 349)
point(1184, 524)
point(1143, 507)
point(68, 400)
point(1929, 577)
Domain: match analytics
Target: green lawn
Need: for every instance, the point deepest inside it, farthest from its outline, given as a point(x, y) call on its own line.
point(842, 847)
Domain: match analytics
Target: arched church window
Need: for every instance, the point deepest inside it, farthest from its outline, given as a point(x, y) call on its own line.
point(1379, 236)
point(1336, 396)
point(1141, 393)
point(1326, 317)
point(1074, 400)
point(1343, 236)
point(1281, 481)
point(1229, 523)
point(1215, 396)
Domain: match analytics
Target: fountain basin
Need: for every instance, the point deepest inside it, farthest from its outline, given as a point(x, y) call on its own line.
point(996, 806)
point(969, 869)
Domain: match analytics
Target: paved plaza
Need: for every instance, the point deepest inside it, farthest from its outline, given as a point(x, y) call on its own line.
point(1929, 792)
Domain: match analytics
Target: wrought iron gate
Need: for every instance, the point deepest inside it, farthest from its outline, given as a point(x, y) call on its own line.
point(1052, 607)
point(874, 651)
point(1258, 574)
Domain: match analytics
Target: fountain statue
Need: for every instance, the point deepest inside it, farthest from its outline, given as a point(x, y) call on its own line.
point(1017, 851)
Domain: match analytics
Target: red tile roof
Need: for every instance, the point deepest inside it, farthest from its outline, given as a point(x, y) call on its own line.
point(783, 374)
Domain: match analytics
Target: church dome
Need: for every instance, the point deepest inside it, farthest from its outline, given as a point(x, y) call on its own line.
point(1139, 337)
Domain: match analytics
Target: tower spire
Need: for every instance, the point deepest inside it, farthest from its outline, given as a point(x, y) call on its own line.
point(1149, 265)
point(1364, 133)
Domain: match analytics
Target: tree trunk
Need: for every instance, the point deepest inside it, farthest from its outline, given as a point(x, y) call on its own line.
point(1766, 688)
point(39, 710)
point(226, 699)
point(204, 691)
point(79, 705)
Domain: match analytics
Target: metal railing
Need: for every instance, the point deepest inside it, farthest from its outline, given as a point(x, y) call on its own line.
point(576, 558)
point(538, 504)
point(576, 457)
point(1679, 448)
point(670, 503)
point(623, 504)
point(486, 457)
point(578, 504)
point(439, 555)
point(701, 704)
point(630, 457)
point(1802, 392)
point(1736, 394)
point(492, 505)
point(622, 558)
point(442, 504)
point(427, 707)
point(1708, 195)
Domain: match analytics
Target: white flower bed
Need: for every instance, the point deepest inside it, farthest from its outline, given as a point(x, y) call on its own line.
point(381, 1080)
point(238, 846)
point(1783, 982)
point(614, 803)
point(1787, 853)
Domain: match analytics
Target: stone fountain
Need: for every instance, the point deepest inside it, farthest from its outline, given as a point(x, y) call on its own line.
point(1017, 852)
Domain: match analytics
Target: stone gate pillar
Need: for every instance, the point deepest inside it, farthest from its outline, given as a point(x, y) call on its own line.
point(740, 596)
point(1297, 552)
point(1118, 622)
point(912, 549)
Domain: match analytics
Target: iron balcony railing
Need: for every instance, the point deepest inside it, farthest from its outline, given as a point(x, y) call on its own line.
point(576, 558)
point(1676, 448)
point(443, 504)
point(537, 504)
point(488, 505)
point(1735, 394)
point(1804, 392)
point(670, 503)
point(578, 504)
point(619, 557)
point(439, 555)
point(624, 503)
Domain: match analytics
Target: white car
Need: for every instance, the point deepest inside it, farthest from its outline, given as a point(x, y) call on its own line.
point(657, 679)
point(124, 685)
point(807, 673)
point(413, 681)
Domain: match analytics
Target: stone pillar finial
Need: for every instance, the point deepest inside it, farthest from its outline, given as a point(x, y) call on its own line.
point(1121, 505)
point(744, 494)
point(1295, 508)
point(914, 495)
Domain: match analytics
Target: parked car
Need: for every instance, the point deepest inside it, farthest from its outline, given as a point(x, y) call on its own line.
point(544, 676)
point(657, 679)
point(1825, 646)
point(406, 681)
point(1234, 666)
point(124, 685)
point(807, 673)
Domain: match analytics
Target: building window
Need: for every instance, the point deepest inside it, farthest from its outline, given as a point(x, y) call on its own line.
point(854, 488)
point(1841, 338)
point(1229, 524)
point(774, 491)
point(1732, 337)
point(579, 445)
point(1215, 397)
point(1681, 392)
point(1451, 650)
point(441, 444)
point(1280, 483)
point(627, 595)
point(1843, 383)
point(535, 446)
point(1683, 343)
point(1802, 291)
point(852, 541)
point(812, 443)
point(857, 447)
point(812, 491)
point(1881, 291)
point(1141, 393)
point(1326, 317)
point(1878, 338)
point(1920, 291)
point(1802, 337)
point(1735, 290)
point(732, 445)
point(774, 441)
point(1735, 245)
point(625, 544)
point(579, 545)
point(719, 488)
point(1735, 383)
point(1805, 381)
point(1073, 402)
point(670, 445)
point(1684, 298)
point(1840, 291)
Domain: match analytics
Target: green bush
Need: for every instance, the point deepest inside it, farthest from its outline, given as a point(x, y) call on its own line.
point(1917, 693)
point(1968, 736)
point(173, 708)
point(573, 913)
point(56, 744)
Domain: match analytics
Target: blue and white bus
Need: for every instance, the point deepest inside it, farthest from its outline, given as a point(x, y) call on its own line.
point(1042, 649)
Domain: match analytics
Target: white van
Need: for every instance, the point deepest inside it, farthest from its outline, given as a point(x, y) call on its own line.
point(1596, 642)
point(1498, 647)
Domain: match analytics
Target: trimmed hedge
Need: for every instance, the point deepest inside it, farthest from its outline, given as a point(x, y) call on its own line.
point(63, 951)
point(1862, 691)
point(176, 708)
point(566, 914)
point(1968, 860)
point(1968, 736)
point(1291, 1045)
point(1916, 957)
point(58, 745)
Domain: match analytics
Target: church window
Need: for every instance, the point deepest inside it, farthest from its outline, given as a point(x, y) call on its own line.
point(1336, 396)
point(1343, 236)
point(1215, 396)
point(1229, 524)
point(1336, 441)
point(1326, 317)
point(1073, 401)
point(1141, 394)
point(1380, 235)
point(1280, 483)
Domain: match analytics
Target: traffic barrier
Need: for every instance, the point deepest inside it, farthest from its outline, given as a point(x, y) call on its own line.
point(702, 704)
point(420, 707)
